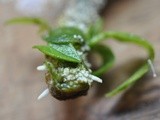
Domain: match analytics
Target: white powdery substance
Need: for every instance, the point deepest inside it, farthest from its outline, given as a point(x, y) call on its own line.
point(78, 37)
point(79, 75)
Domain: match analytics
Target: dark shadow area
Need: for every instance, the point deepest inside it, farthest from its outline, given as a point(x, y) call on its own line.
point(143, 94)
point(133, 97)
point(136, 100)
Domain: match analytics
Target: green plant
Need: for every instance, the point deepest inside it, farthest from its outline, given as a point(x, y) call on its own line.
point(69, 73)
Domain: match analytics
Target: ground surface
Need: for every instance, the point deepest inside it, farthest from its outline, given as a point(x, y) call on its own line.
point(20, 83)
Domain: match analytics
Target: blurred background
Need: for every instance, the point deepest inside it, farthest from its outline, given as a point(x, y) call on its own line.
point(21, 83)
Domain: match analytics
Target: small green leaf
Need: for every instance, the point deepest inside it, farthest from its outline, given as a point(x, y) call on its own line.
point(124, 37)
point(107, 56)
point(43, 25)
point(63, 35)
point(64, 52)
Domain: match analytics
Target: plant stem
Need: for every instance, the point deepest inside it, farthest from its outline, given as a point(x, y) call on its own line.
point(83, 13)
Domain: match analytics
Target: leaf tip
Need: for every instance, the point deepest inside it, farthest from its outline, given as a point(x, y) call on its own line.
point(110, 94)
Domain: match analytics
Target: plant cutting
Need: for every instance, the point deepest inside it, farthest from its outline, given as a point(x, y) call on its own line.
point(69, 73)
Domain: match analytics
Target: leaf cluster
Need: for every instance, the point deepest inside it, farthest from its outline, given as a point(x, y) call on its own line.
point(61, 45)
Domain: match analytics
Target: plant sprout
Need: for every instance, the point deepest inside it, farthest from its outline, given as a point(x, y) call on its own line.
point(68, 71)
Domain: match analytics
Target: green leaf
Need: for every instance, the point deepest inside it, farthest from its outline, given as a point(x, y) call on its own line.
point(130, 38)
point(136, 76)
point(63, 35)
point(43, 25)
point(64, 52)
point(107, 56)
point(124, 37)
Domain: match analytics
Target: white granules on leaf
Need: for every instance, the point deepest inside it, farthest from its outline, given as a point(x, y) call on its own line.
point(79, 75)
point(78, 37)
